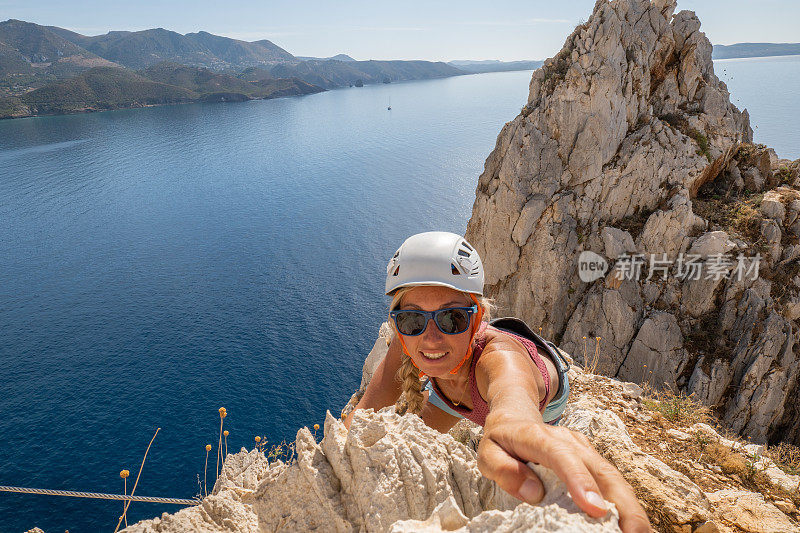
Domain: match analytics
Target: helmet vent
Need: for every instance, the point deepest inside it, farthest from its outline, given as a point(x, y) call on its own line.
point(454, 270)
point(396, 270)
point(467, 246)
point(464, 253)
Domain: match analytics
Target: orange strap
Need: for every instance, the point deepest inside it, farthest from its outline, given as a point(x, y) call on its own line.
point(472, 336)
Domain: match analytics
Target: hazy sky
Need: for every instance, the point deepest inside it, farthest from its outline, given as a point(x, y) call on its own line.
point(412, 29)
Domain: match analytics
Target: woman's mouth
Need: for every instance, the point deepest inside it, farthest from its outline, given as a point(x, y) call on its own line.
point(433, 355)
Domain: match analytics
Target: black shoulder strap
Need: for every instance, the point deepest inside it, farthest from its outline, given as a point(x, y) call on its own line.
point(515, 325)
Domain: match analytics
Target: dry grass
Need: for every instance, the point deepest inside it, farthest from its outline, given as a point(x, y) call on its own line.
point(679, 408)
point(736, 215)
point(591, 361)
point(786, 457)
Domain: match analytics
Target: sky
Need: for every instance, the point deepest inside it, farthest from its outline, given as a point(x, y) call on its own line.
point(433, 30)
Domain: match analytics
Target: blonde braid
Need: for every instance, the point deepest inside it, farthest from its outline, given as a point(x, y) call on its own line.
point(412, 387)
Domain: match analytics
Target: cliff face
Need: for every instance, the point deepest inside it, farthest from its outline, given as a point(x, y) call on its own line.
point(629, 144)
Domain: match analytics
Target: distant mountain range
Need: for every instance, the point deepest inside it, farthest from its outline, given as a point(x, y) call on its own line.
point(722, 51)
point(494, 65)
point(52, 70)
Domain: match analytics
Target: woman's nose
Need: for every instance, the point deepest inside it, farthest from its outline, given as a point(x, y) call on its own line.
point(432, 330)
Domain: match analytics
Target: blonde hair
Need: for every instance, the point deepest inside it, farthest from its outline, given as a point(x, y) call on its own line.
point(408, 374)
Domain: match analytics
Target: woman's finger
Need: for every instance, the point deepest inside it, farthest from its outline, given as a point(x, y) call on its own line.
point(632, 518)
point(581, 484)
point(614, 487)
point(560, 453)
point(511, 475)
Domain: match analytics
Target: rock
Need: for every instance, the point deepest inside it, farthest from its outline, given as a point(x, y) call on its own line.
point(622, 130)
point(446, 517)
point(388, 473)
point(376, 355)
point(712, 243)
point(678, 435)
point(669, 492)
point(556, 512)
point(750, 512)
point(669, 231)
point(772, 206)
point(785, 506)
point(617, 242)
point(632, 391)
point(656, 354)
point(794, 210)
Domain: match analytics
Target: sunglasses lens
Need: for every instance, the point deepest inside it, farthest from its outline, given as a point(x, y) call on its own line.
point(453, 321)
point(410, 322)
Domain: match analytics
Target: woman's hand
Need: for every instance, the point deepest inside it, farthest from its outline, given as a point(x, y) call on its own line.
point(509, 441)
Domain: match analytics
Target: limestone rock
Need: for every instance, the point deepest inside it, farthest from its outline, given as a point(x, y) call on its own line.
point(617, 242)
point(669, 492)
point(626, 139)
point(386, 469)
point(656, 349)
point(750, 512)
point(712, 243)
point(556, 512)
point(772, 206)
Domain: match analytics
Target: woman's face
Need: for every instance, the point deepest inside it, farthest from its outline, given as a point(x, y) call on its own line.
point(435, 353)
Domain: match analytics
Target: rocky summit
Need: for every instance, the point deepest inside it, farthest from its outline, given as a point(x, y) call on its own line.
point(629, 148)
point(394, 474)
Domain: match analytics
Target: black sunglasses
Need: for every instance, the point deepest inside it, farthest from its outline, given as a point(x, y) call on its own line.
point(450, 321)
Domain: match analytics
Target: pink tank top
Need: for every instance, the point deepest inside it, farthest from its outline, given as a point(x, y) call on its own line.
point(480, 409)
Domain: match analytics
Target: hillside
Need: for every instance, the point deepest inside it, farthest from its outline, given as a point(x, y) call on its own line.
point(141, 49)
point(32, 56)
point(104, 88)
point(333, 73)
point(100, 88)
point(722, 51)
point(207, 83)
point(475, 67)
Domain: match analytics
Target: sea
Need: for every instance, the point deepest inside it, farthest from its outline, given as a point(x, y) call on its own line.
point(157, 264)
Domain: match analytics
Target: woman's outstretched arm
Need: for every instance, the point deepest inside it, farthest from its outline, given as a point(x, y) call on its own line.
point(383, 389)
point(515, 433)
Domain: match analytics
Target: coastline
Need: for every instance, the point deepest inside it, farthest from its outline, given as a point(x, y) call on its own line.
point(244, 98)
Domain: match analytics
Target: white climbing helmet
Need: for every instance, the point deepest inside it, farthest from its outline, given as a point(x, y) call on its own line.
point(435, 258)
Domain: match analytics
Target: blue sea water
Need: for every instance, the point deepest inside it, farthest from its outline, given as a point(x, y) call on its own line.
point(767, 87)
point(156, 264)
point(159, 263)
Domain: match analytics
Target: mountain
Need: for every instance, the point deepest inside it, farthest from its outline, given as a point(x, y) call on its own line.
point(140, 49)
point(99, 88)
point(32, 55)
point(722, 51)
point(337, 57)
point(476, 67)
point(104, 88)
point(334, 73)
point(212, 85)
point(629, 148)
point(39, 58)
